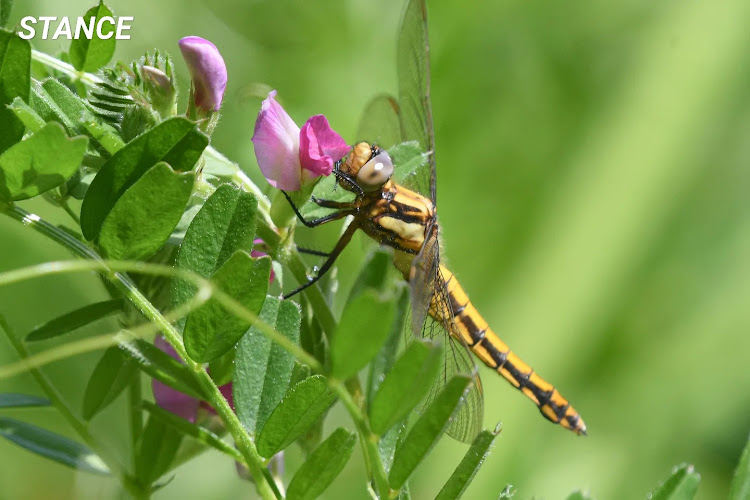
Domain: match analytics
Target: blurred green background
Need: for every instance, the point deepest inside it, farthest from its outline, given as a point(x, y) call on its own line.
point(594, 193)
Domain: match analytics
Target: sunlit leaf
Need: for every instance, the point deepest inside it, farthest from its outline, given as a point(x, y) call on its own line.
point(26, 114)
point(364, 327)
point(51, 445)
point(90, 54)
point(14, 400)
point(73, 320)
point(225, 224)
point(175, 141)
point(405, 385)
point(300, 409)
point(15, 80)
point(43, 161)
point(681, 485)
point(130, 231)
point(263, 369)
point(427, 430)
point(111, 376)
point(469, 466)
point(211, 330)
point(322, 466)
point(740, 488)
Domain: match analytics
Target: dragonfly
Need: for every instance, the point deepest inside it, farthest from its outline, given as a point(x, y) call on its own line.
point(402, 214)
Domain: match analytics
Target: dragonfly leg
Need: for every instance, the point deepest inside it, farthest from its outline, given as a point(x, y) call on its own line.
point(310, 251)
point(340, 205)
point(343, 241)
point(322, 220)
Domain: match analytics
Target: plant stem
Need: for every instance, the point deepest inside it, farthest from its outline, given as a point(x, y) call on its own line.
point(78, 426)
point(368, 439)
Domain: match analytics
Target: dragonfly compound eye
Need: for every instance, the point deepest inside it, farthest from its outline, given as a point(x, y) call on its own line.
point(375, 172)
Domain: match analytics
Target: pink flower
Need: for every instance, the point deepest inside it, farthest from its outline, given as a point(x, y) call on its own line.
point(177, 402)
point(207, 70)
point(255, 253)
point(290, 157)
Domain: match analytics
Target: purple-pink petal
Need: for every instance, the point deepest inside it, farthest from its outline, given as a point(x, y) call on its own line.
point(207, 70)
point(276, 141)
point(320, 146)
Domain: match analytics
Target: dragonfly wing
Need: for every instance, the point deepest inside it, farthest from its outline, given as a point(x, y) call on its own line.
point(380, 123)
point(432, 318)
point(414, 90)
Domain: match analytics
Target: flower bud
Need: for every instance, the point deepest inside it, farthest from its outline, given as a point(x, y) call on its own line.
point(160, 89)
point(207, 70)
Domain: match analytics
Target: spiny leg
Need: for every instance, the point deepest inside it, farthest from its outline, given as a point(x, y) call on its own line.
point(311, 251)
point(343, 241)
point(345, 209)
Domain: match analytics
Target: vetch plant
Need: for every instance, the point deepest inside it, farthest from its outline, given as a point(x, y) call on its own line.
point(194, 258)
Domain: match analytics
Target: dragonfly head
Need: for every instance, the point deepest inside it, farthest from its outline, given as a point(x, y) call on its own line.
point(369, 166)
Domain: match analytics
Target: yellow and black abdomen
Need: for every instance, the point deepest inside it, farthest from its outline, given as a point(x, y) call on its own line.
point(487, 346)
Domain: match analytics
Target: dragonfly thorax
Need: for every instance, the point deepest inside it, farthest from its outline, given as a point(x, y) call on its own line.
point(366, 168)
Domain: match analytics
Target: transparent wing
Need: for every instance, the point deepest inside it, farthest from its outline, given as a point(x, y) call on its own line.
point(414, 91)
point(432, 317)
point(380, 123)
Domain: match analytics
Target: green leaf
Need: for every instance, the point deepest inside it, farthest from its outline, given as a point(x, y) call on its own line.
point(263, 369)
point(225, 224)
point(322, 466)
point(15, 81)
point(75, 112)
point(26, 114)
point(221, 369)
point(211, 330)
point(175, 141)
point(297, 412)
point(5, 6)
point(13, 400)
point(375, 273)
point(158, 447)
point(363, 329)
point(195, 431)
point(427, 430)
point(467, 469)
point(408, 160)
point(43, 161)
point(163, 367)
point(51, 445)
point(74, 320)
point(740, 488)
point(681, 485)
point(383, 362)
point(389, 442)
point(406, 385)
point(131, 231)
point(91, 54)
point(111, 376)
